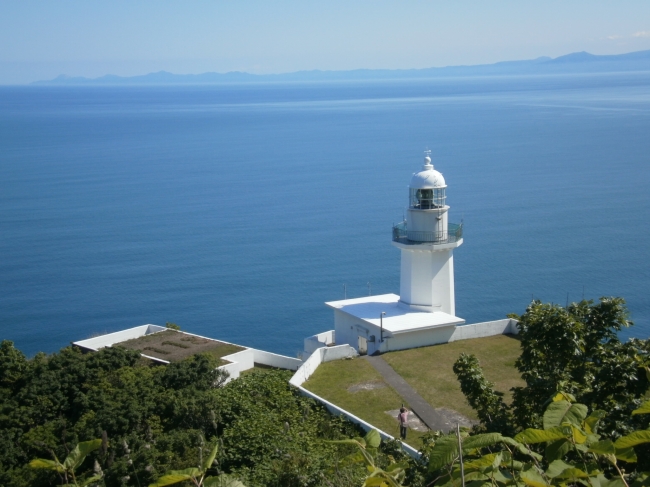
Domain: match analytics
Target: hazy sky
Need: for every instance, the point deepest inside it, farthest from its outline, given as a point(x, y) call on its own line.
point(42, 39)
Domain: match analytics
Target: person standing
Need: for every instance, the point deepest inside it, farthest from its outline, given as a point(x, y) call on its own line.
point(403, 418)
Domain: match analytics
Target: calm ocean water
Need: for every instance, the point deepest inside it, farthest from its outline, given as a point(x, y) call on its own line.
point(236, 211)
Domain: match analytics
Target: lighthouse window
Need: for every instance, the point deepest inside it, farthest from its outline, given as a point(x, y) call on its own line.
point(428, 198)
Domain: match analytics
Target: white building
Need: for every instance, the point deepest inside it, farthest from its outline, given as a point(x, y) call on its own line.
point(425, 311)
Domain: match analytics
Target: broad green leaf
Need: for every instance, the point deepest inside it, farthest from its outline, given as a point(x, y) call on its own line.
point(356, 457)
point(594, 481)
point(644, 409)
point(564, 396)
point(591, 439)
point(193, 472)
point(633, 439)
point(490, 460)
point(502, 476)
point(443, 453)
point(222, 480)
point(213, 454)
point(556, 467)
point(532, 435)
point(471, 476)
point(604, 447)
point(90, 480)
point(533, 478)
point(521, 448)
point(626, 454)
point(557, 449)
point(581, 447)
point(591, 422)
point(47, 464)
point(561, 412)
point(573, 473)
point(375, 481)
point(372, 439)
point(366, 456)
point(579, 436)
point(78, 455)
point(478, 483)
point(393, 467)
point(562, 470)
point(614, 482)
point(170, 479)
point(481, 441)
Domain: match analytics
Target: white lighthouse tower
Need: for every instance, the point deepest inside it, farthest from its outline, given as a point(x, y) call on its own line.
point(427, 241)
point(425, 311)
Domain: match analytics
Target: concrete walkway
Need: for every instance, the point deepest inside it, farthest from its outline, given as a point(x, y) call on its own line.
point(435, 420)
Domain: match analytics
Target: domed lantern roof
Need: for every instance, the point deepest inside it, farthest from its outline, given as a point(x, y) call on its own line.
point(428, 178)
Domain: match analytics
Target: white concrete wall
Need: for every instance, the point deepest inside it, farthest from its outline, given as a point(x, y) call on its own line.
point(349, 328)
point(246, 359)
point(420, 338)
point(485, 329)
point(241, 361)
point(109, 339)
point(317, 341)
point(323, 354)
point(275, 360)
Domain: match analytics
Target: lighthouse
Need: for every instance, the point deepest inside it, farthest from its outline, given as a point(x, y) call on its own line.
point(425, 311)
point(427, 241)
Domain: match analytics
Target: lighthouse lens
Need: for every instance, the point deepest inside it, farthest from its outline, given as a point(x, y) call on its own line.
point(427, 199)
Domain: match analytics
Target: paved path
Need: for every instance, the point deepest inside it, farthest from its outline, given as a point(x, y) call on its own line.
point(435, 420)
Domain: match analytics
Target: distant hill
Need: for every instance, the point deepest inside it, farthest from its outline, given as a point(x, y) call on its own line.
point(578, 62)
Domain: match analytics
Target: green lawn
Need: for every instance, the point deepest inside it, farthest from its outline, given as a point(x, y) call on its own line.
point(429, 369)
point(332, 380)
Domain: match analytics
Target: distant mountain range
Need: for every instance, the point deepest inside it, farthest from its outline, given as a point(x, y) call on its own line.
point(578, 62)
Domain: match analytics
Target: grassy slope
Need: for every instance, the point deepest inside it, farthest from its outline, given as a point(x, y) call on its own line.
point(332, 380)
point(429, 369)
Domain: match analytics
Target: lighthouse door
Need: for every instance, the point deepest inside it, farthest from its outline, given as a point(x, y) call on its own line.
point(363, 345)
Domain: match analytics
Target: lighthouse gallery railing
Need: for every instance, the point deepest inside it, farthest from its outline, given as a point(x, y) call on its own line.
point(403, 235)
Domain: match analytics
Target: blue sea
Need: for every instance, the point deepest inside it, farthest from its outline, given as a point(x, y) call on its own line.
point(236, 211)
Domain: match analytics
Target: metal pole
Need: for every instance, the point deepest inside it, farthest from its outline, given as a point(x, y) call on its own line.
point(460, 453)
point(369, 289)
point(381, 326)
point(345, 291)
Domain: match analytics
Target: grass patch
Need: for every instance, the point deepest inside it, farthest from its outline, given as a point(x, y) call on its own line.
point(173, 346)
point(332, 380)
point(156, 350)
point(222, 350)
point(429, 370)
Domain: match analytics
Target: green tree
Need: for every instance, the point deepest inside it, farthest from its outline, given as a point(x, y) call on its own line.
point(577, 350)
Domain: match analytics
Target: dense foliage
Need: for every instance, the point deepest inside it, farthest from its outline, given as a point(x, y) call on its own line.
point(568, 451)
point(574, 350)
point(159, 418)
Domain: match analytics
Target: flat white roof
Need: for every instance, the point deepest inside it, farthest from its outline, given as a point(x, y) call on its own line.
point(397, 319)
